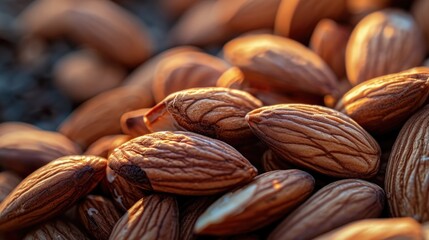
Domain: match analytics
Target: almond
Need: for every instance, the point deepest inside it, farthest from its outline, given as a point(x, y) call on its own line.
point(132, 123)
point(336, 204)
point(181, 163)
point(272, 162)
point(384, 103)
point(377, 229)
point(56, 229)
point(232, 78)
point(98, 215)
point(280, 64)
point(153, 217)
point(8, 182)
point(50, 190)
point(408, 169)
point(419, 10)
point(214, 112)
point(380, 44)
point(270, 196)
point(26, 150)
point(105, 145)
point(317, 138)
point(7, 127)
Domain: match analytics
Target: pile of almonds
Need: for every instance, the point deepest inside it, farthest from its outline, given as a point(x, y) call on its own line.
point(311, 122)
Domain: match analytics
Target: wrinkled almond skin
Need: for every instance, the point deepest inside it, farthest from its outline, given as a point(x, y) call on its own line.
point(50, 190)
point(24, 151)
point(214, 112)
point(408, 169)
point(56, 229)
point(98, 215)
point(377, 229)
point(270, 196)
point(381, 44)
point(385, 103)
point(181, 163)
point(281, 64)
point(105, 145)
point(132, 123)
point(186, 70)
point(336, 204)
point(8, 182)
point(296, 19)
point(189, 212)
point(153, 217)
point(317, 138)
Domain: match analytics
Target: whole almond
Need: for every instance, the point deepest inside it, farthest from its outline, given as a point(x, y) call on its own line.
point(296, 19)
point(270, 196)
point(381, 44)
point(105, 145)
point(181, 163)
point(317, 138)
point(8, 182)
point(56, 229)
point(377, 229)
point(214, 112)
point(153, 217)
point(98, 215)
point(408, 169)
point(280, 64)
point(384, 103)
point(334, 205)
point(50, 190)
point(26, 150)
point(186, 70)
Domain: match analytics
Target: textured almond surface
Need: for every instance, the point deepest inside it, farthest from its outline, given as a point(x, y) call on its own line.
point(214, 112)
point(282, 64)
point(384, 103)
point(317, 138)
point(336, 204)
point(181, 163)
point(98, 215)
point(50, 190)
point(56, 229)
point(270, 196)
point(153, 217)
point(381, 44)
point(407, 185)
point(377, 229)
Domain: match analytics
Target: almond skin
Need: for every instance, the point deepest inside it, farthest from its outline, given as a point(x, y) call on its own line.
point(317, 138)
point(381, 44)
point(377, 229)
point(181, 163)
point(270, 196)
point(334, 205)
point(214, 112)
point(280, 64)
point(385, 103)
point(56, 229)
point(153, 217)
point(408, 169)
point(50, 190)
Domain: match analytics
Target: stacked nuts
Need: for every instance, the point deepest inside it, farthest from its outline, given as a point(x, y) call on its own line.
point(312, 122)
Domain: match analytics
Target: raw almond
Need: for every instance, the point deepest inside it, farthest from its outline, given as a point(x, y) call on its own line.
point(181, 163)
point(214, 112)
point(384, 103)
point(8, 182)
point(50, 190)
point(381, 44)
point(153, 217)
point(336, 204)
point(408, 169)
point(270, 196)
point(56, 229)
point(280, 64)
point(317, 138)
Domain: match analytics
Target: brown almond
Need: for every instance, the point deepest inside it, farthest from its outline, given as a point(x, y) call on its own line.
point(132, 123)
point(377, 229)
point(153, 217)
point(100, 116)
point(56, 229)
point(98, 215)
point(408, 169)
point(50, 190)
point(105, 145)
point(182, 163)
point(270, 196)
point(381, 44)
point(214, 112)
point(384, 103)
point(232, 78)
point(280, 64)
point(26, 150)
point(8, 182)
point(419, 10)
point(7, 127)
point(317, 138)
point(336, 204)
